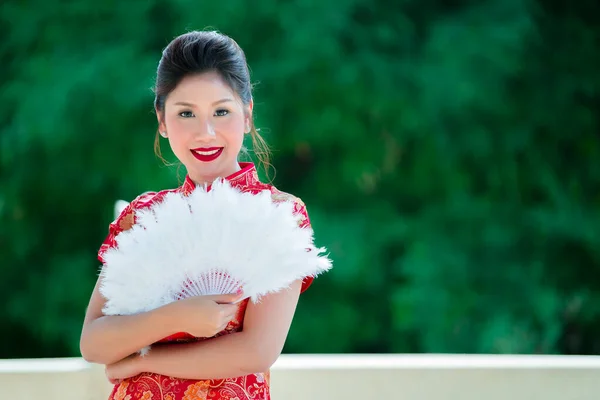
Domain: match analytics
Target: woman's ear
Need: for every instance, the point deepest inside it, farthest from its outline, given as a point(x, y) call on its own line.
point(162, 127)
point(248, 119)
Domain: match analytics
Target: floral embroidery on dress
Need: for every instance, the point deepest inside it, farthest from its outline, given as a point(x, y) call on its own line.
point(197, 391)
point(147, 395)
point(121, 393)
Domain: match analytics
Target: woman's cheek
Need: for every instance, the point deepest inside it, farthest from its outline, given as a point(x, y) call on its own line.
point(178, 124)
point(232, 126)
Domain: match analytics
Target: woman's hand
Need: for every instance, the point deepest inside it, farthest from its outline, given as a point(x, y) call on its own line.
point(205, 316)
point(200, 316)
point(126, 368)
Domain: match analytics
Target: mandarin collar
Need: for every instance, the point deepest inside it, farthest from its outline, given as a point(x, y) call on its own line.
point(246, 176)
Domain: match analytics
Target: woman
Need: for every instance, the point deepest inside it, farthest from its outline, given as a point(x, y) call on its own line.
point(204, 108)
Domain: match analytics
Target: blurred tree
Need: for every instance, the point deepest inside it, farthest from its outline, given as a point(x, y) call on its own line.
point(446, 151)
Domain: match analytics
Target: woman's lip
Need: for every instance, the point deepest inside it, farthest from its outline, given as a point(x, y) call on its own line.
point(207, 157)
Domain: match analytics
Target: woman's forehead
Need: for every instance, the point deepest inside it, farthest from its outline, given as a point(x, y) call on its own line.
point(206, 87)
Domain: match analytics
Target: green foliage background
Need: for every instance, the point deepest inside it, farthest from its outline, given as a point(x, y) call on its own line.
point(448, 153)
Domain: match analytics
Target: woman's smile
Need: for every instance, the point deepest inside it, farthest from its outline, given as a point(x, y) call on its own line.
point(207, 154)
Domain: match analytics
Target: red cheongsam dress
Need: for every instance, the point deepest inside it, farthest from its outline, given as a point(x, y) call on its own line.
point(150, 386)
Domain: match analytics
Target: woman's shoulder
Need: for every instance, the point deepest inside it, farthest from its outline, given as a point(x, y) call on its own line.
point(279, 196)
point(303, 220)
point(146, 199)
point(125, 218)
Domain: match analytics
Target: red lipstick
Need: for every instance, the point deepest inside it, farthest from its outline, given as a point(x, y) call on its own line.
point(206, 154)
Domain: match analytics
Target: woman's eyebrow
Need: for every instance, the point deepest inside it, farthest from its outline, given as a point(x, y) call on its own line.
point(183, 103)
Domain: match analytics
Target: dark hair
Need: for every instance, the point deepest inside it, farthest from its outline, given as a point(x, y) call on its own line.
point(198, 52)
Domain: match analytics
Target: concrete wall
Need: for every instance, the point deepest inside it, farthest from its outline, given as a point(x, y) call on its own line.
point(302, 377)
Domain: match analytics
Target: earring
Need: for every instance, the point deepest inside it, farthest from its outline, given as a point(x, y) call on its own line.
point(163, 134)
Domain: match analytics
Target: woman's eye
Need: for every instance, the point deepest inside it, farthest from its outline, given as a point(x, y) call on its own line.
point(221, 113)
point(186, 114)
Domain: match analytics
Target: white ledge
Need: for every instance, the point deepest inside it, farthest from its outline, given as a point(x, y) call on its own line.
point(350, 376)
point(354, 361)
point(434, 361)
point(41, 365)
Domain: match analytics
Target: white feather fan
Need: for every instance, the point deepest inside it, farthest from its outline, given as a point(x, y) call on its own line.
point(209, 242)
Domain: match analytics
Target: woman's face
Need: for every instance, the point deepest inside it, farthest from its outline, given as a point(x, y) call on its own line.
point(205, 122)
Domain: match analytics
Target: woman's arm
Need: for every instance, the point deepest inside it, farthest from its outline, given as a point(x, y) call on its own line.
point(253, 350)
point(107, 339)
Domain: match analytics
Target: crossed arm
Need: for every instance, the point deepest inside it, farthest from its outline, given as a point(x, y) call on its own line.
point(113, 341)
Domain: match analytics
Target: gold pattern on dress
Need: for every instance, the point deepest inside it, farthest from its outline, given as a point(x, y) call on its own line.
point(157, 385)
point(299, 207)
point(197, 391)
point(147, 395)
point(239, 389)
point(122, 392)
point(280, 197)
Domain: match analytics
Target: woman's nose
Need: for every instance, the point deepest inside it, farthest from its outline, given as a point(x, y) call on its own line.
point(205, 131)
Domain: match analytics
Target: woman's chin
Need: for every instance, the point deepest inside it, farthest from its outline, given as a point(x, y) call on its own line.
point(202, 172)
